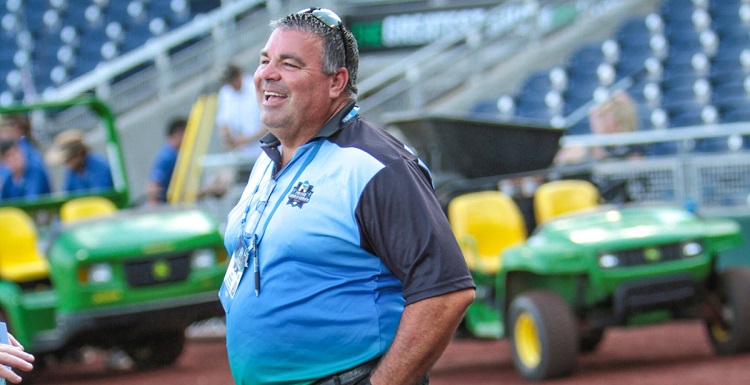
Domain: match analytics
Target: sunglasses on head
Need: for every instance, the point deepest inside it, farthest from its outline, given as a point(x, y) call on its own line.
point(330, 19)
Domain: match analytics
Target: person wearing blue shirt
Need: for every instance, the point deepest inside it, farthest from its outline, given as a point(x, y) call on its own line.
point(16, 127)
point(344, 269)
point(164, 163)
point(84, 171)
point(20, 180)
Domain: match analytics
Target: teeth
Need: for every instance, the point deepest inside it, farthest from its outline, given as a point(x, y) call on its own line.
point(267, 93)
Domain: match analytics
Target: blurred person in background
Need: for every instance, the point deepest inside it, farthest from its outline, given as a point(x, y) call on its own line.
point(13, 356)
point(617, 114)
point(16, 127)
point(21, 179)
point(84, 171)
point(237, 115)
point(354, 275)
point(164, 163)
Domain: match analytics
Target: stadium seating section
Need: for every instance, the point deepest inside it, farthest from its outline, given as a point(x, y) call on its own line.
point(45, 43)
point(689, 62)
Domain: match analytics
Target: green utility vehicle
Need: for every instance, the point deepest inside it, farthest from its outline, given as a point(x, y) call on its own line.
point(555, 270)
point(85, 269)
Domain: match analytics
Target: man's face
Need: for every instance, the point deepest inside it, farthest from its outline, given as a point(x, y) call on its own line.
point(10, 131)
point(291, 88)
point(14, 160)
point(76, 162)
point(236, 82)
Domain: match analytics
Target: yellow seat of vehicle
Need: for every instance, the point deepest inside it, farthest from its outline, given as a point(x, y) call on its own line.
point(563, 196)
point(20, 259)
point(485, 223)
point(85, 208)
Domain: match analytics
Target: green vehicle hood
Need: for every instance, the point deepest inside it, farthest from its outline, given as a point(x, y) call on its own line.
point(566, 244)
point(618, 226)
point(138, 233)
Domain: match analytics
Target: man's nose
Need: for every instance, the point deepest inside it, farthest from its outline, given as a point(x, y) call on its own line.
point(267, 71)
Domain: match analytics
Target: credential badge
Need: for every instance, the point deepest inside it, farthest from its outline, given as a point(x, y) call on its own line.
point(300, 194)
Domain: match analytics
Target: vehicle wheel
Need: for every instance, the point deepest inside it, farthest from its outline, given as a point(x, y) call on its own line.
point(544, 336)
point(732, 336)
point(157, 350)
point(589, 341)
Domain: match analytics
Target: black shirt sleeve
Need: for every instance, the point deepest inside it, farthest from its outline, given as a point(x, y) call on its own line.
point(401, 222)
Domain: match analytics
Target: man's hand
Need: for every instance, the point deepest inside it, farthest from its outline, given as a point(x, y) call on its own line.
point(425, 330)
point(13, 355)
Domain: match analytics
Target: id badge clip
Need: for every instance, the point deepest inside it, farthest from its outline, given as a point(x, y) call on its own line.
point(239, 261)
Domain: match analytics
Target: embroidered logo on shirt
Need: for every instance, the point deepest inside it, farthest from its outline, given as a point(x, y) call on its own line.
point(300, 194)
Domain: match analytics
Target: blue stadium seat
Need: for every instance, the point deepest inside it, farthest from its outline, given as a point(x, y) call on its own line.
point(586, 53)
point(730, 28)
point(632, 29)
point(676, 11)
point(724, 9)
point(714, 145)
point(694, 115)
point(732, 105)
point(580, 128)
point(730, 86)
point(135, 36)
point(175, 18)
point(682, 35)
point(117, 10)
point(661, 149)
point(537, 82)
point(582, 90)
point(736, 115)
point(485, 107)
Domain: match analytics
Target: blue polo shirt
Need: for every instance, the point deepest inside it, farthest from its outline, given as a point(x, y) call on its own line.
point(96, 176)
point(33, 183)
point(34, 160)
point(351, 234)
point(163, 167)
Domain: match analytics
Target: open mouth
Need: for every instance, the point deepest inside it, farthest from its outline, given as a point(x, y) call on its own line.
point(269, 95)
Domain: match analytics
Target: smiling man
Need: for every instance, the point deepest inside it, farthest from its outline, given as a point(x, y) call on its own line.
point(344, 268)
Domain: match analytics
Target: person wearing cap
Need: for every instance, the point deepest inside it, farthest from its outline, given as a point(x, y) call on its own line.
point(85, 171)
point(21, 178)
point(237, 115)
point(344, 269)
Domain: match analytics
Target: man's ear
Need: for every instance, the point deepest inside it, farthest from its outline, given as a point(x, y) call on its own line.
point(339, 80)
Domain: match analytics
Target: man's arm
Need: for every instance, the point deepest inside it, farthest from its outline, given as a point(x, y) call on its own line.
point(424, 332)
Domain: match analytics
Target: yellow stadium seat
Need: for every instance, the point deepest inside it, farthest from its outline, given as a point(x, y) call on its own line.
point(20, 259)
point(563, 196)
point(485, 223)
point(84, 208)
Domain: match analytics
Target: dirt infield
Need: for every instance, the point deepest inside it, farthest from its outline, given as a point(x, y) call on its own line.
point(676, 353)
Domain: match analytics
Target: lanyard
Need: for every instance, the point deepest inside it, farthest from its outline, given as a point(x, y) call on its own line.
point(248, 240)
point(302, 168)
point(266, 188)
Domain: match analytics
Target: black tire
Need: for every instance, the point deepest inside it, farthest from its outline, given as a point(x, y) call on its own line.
point(732, 336)
point(544, 336)
point(589, 341)
point(157, 350)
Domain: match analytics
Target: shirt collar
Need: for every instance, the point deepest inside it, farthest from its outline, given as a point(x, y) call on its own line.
point(328, 129)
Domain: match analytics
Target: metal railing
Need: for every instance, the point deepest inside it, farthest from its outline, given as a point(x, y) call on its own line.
point(712, 182)
point(158, 68)
point(462, 57)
